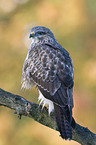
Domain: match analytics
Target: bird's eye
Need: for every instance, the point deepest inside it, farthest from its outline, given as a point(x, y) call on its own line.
point(41, 33)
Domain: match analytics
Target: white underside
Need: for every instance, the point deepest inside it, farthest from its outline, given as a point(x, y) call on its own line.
point(45, 101)
point(41, 98)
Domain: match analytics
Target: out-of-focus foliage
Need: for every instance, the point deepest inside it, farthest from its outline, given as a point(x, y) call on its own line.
point(74, 24)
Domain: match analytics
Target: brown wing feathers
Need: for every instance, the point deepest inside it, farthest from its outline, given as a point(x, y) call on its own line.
point(52, 75)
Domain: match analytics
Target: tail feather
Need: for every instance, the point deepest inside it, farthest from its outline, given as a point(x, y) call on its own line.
point(63, 121)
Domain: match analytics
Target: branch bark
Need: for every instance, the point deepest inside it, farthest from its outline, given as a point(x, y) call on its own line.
point(23, 107)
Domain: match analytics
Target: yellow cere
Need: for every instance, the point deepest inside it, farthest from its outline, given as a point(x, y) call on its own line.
point(32, 33)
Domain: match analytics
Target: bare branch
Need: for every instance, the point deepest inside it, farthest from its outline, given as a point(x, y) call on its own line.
point(23, 107)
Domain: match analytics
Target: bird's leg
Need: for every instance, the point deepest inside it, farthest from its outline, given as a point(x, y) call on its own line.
point(28, 107)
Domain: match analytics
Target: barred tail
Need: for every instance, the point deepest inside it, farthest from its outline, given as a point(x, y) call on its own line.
point(64, 119)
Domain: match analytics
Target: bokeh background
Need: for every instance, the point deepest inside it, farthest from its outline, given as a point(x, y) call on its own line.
point(74, 24)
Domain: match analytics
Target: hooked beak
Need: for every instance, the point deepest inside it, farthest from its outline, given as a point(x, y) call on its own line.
point(31, 35)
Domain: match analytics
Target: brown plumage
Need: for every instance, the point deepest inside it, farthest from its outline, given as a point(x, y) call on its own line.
point(49, 66)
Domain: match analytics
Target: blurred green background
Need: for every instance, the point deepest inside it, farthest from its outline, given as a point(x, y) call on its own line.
point(74, 24)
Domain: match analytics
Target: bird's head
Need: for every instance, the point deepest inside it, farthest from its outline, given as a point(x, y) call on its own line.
point(40, 33)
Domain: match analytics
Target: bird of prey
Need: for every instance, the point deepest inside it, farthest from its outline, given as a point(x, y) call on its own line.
point(49, 67)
